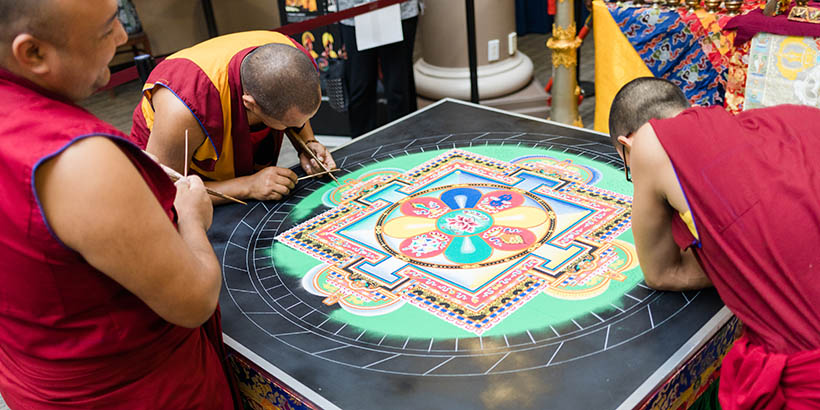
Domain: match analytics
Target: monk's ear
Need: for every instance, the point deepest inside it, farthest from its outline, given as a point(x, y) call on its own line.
point(626, 140)
point(250, 103)
point(32, 54)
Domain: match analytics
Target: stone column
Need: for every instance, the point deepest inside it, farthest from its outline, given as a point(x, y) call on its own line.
point(443, 69)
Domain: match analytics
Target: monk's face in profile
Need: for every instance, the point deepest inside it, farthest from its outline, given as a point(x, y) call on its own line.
point(80, 44)
point(293, 117)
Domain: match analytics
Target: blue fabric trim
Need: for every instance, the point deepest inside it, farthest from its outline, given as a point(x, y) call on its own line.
point(696, 241)
point(167, 87)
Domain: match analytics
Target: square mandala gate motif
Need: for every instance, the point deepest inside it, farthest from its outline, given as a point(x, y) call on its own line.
point(467, 238)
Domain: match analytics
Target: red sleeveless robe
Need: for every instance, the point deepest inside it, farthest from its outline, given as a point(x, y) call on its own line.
point(71, 337)
point(752, 182)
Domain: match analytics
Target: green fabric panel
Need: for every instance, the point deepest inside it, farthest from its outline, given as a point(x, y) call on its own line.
point(709, 399)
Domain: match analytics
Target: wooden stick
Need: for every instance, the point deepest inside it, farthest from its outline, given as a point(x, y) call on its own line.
point(298, 143)
point(174, 175)
point(185, 171)
point(317, 174)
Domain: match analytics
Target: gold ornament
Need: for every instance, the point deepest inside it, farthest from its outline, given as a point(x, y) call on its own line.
point(712, 5)
point(692, 5)
point(563, 44)
point(733, 6)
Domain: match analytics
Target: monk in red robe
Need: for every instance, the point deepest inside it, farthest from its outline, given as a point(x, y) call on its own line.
point(233, 96)
point(107, 273)
point(734, 201)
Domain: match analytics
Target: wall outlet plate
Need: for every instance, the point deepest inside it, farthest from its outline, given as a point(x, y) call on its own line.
point(512, 43)
point(493, 50)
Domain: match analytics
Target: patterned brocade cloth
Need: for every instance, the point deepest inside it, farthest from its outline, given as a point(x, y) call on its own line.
point(690, 49)
point(736, 78)
point(674, 46)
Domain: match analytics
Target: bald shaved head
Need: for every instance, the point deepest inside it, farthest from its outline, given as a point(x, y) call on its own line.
point(35, 17)
point(280, 77)
point(63, 46)
point(641, 100)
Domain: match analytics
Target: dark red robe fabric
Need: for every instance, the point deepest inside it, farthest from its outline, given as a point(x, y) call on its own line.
point(71, 337)
point(752, 182)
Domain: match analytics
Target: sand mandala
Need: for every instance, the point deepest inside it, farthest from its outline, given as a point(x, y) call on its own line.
point(467, 238)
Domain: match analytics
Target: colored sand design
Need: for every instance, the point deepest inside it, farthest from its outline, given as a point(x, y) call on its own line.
point(464, 244)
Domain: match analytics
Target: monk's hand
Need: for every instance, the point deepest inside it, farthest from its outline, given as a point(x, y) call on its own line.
point(309, 164)
point(272, 183)
point(192, 202)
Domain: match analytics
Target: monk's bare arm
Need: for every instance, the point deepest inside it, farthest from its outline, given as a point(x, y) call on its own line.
point(97, 203)
point(167, 142)
point(171, 119)
point(665, 266)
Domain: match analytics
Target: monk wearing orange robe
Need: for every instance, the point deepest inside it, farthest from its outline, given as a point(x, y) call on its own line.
point(234, 95)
